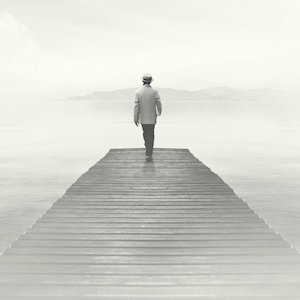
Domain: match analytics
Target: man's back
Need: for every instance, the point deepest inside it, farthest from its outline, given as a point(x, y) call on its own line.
point(147, 105)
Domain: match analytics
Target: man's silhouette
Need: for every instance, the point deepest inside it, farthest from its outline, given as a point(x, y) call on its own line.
point(147, 106)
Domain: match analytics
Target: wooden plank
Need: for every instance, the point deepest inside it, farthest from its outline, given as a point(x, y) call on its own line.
point(144, 280)
point(148, 297)
point(198, 225)
point(85, 250)
point(155, 217)
point(141, 230)
point(139, 291)
point(153, 243)
point(152, 214)
point(137, 207)
point(151, 236)
point(205, 198)
point(149, 269)
point(149, 259)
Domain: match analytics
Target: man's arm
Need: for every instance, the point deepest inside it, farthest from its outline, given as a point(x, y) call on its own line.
point(136, 109)
point(158, 103)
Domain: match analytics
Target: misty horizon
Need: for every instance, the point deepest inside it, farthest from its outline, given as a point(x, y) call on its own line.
point(56, 49)
point(219, 93)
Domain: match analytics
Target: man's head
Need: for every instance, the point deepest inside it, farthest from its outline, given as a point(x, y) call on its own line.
point(147, 78)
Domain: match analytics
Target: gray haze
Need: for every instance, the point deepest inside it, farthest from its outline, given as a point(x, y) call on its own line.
point(60, 48)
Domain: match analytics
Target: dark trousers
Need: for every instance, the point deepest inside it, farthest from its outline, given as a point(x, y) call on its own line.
point(148, 134)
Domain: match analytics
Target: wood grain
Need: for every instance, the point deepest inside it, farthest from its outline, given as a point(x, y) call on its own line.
point(169, 229)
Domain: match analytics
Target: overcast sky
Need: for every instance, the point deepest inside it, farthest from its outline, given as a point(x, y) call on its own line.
point(61, 48)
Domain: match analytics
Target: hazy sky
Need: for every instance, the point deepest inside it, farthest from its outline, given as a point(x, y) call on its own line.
point(61, 48)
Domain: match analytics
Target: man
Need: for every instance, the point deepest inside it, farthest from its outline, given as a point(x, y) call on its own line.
point(147, 106)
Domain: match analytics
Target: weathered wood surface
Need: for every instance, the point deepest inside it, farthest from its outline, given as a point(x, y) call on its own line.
point(169, 229)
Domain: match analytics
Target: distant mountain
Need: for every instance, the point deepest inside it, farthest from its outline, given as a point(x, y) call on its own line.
point(213, 94)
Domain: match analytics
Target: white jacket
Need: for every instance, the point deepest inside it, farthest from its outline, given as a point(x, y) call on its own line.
point(147, 105)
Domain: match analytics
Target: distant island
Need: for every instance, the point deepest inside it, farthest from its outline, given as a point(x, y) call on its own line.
point(211, 94)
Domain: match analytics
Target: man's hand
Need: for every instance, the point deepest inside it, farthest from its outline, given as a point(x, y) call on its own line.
point(136, 123)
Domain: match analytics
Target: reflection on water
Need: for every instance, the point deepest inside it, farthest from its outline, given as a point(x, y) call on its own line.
point(254, 147)
point(149, 169)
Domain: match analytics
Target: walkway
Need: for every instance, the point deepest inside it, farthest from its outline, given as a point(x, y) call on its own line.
point(170, 229)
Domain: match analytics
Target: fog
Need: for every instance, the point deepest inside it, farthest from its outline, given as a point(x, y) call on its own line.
point(53, 49)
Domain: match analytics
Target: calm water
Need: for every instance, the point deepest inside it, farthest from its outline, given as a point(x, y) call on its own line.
point(46, 145)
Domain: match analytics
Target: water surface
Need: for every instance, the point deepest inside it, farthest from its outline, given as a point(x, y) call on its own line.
point(47, 145)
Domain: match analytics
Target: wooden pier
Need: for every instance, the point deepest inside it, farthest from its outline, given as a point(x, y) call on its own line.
point(169, 229)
